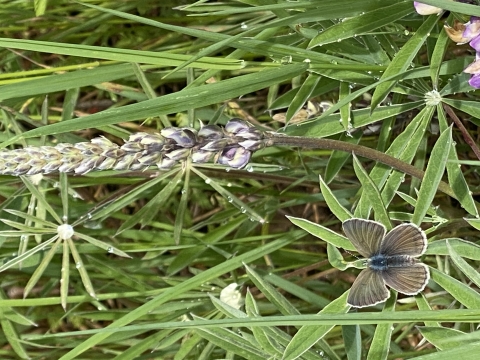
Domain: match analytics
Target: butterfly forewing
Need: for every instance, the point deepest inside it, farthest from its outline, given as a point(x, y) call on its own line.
point(365, 235)
point(405, 239)
point(368, 289)
point(407, 280)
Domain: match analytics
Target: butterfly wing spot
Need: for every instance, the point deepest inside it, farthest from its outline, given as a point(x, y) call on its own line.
point(368, 289)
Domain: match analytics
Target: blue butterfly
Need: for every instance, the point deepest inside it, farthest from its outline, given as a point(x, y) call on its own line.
point(390, 259)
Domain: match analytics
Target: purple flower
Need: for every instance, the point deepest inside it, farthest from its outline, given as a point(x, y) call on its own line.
point(424, 9)
point(472, 30)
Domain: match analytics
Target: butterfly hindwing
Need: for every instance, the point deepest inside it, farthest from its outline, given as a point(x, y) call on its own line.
point(405, 239)
point(368, 289)
point(407, 280)
point(365, 235)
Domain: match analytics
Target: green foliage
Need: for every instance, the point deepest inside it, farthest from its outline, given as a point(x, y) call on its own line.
point(141, 273)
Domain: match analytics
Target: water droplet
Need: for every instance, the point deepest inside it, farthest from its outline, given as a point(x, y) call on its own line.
point(228, 169)
point(406, 32)
point(110, 249)
point(64, 218)
point(89, 216)
point(334, 62)
point(230, 199)
point(244, 26)
point(184, 191)
point(243, 210)
point(208, 181)
point(78, 265)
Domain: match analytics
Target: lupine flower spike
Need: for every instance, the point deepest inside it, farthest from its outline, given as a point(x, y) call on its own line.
point(232, 145)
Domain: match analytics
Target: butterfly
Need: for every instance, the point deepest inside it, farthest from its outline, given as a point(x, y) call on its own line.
point(390, 259)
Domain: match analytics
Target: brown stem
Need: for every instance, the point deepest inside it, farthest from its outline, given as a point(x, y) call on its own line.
point(316, 143)
point(466, 136)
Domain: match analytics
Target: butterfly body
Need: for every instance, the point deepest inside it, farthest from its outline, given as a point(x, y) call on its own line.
point(391, 259)
point(382, 262)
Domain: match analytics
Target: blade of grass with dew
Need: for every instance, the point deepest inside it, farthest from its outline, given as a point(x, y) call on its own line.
point(121, 55)
point(370, 192)
point(65, 275)
point(403, 59)
point(433, 175)
point(363, 23)
point(102, 245)
point(322, 233)
point(172, 103)
point(27, 254)
point(11, 335)
point(461, 292)
point(87, 283)
point(333, 203)
point(344, 91)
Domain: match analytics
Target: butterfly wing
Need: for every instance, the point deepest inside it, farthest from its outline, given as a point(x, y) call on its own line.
point(365, 235)
point(407, 280)
point(405, 239)
point(368, 289)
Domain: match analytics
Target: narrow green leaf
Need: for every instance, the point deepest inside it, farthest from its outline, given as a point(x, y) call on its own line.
point(345, 111)
point(172, 103)
point(383, 333)
point(302, 96)
point(371, 193)
point(40, 198)
point(333, 204)
point(277, 299)
point(42, 266)
point(439, 51)
point(323, 233)
point(363, 23)
point(403, 59)
point(462, 247)
point(471, 273)
point(433, 175)
point(151, 209)
point(87, 283)
point(443, 338)
point(353, 341)
point(65, 276)
point(307, 336)
point(335, 258)
point(27, 254)
point(463, 293)
point(100, 244)
point(11, 335)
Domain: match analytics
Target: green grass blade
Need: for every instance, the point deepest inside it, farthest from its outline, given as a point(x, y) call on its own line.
point(433, 175)
point(333, 203)
point(463, 293)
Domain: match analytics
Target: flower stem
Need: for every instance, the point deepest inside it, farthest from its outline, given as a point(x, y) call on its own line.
point(372, 154)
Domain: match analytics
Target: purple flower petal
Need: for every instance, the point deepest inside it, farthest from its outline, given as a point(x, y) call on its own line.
point(475, 81)
point(424, 9)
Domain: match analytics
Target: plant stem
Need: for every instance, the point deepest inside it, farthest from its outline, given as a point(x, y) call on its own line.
point(318, 143)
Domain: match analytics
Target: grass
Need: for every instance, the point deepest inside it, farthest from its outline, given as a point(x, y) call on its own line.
point(151, 251)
